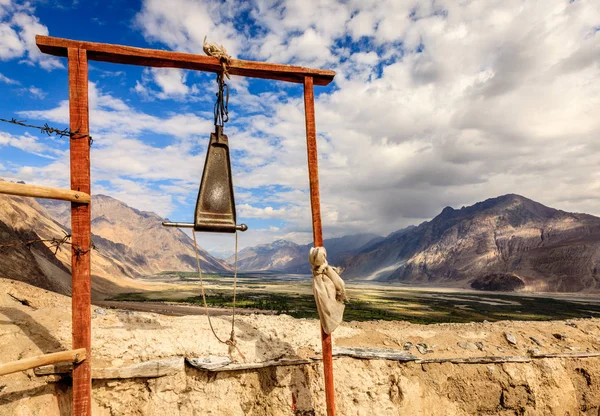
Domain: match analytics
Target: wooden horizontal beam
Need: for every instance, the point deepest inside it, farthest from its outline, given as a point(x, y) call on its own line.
point(34, 191)
point(146, 369)
point(130, 55)
point(74, 356)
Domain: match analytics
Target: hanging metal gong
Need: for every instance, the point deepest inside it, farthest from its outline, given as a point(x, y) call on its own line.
point(215, 206)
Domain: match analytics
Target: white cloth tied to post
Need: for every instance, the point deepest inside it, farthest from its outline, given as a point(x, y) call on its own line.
point(329, 290)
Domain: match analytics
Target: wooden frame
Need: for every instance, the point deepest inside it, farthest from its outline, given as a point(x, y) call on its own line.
point(156, 58)
point(44, 192)
point(78, 54)
point(72, 356)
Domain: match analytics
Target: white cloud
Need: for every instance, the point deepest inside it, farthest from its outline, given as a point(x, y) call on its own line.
point(8, 81)
point(170, 81)
point(36, 92)
point(30, 144)
point(18, 27)
point(10, 43)
point(435, 103)
point(137, 194)
point(183, 24)
point(109, 114)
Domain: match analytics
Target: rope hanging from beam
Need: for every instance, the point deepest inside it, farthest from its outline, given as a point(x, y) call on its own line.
point(231, 342)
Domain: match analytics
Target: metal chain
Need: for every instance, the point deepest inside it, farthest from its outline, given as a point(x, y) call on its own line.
point(231, 342)
point(222, 103)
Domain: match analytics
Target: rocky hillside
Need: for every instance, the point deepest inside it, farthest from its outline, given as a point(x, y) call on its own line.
point(547, 249)
point(138, 238)
point(24, 220)
point(289, 257)
point(279, 255)
point(142, 364)
point(129, 243)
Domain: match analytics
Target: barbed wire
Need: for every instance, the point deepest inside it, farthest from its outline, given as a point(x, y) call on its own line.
point(46, 129)
point(55, 243)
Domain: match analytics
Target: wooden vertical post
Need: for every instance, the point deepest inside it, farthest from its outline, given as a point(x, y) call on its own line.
point(80, 228)
point(315, 205)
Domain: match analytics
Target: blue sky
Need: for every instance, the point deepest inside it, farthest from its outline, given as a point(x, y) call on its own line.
point(435, 103)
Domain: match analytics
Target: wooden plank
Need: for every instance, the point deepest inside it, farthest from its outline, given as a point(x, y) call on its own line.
point(313, 161)
point(77, 355)
point(146, 369)
point(315, 205)
point(157, 58)
point(477, 360)
point(219, 364)
point(80, 228)
point(589, 354)
point(35, 191)
point(374, 354)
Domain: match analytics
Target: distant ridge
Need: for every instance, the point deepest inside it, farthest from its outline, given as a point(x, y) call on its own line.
point(130, 244)
point(547, 249)
point(505, 243)
point(289, 257)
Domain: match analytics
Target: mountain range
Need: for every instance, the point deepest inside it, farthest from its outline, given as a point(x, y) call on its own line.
point(504, 243)
point(288, 257)
point(129, 244)
point(509, 237)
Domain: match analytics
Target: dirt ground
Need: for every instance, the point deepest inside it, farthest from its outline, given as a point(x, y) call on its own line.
point(540, 386)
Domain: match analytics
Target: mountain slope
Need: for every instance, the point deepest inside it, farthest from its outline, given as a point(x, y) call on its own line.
point(24, 220)
point(129, 243)
point(289, 257)
point(137, 238)
point(546, 248)
point(280, 255)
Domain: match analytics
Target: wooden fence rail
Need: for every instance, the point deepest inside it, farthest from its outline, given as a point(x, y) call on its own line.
point(35, 191)
point(74, 356)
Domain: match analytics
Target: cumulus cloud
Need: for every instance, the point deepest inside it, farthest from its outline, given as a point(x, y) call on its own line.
point(183, 24)
point(30, 144)
point(124, 164)
point(434, 104)
point(171, 83)
point(18, 27)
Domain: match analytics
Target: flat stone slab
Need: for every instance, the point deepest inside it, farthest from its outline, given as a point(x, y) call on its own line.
point(214, 363)
point(146, 369)
point(374, 354)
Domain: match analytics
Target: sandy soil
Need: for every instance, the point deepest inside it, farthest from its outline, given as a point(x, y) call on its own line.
point(120, 338)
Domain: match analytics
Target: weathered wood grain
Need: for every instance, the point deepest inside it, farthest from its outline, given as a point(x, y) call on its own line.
point(80, 228)
point(477, 360)
point(218, 364)
point(35, 191)
point(146, 369)
point(589, 354)
point(315, 205)
point(156, 58)
point(77, 355)
point(374, 354)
